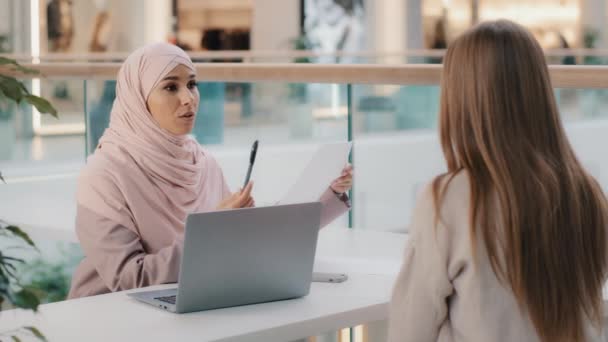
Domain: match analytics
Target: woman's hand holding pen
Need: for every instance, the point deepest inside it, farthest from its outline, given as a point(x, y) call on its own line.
point(343, 183)
point(239, 199)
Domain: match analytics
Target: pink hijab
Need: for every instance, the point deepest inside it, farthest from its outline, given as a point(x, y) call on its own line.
point(140, 174)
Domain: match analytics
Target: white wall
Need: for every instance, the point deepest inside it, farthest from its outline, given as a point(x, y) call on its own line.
point(137, 22)
point(414, 29)
point(83, 12)
point(5, 20)
point(275, 22)
point(15, 21)
point(593, 15)
point(157, 24)
point(386, 27)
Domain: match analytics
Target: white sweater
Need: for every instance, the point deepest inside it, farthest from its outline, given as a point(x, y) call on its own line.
point(440, 295)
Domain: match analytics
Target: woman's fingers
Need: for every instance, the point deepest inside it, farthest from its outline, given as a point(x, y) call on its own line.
point(227, 203)
point(241, 201)
point(247, 190)
point(248, 203)
point(343, 179)
point(243, 196)
point(347, 170)
point(342, 185)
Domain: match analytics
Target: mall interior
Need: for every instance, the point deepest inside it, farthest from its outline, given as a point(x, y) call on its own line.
point(295, 75)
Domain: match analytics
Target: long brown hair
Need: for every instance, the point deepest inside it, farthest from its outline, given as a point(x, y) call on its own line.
point(541, 217)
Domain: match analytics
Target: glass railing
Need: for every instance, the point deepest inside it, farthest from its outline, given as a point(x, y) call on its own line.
point(398, 132)
point(281, 115)
point(390, 114)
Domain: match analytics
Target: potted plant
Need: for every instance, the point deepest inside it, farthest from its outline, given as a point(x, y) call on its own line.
point(13, 92)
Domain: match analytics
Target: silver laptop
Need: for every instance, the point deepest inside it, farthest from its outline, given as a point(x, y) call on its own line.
point(243, 256)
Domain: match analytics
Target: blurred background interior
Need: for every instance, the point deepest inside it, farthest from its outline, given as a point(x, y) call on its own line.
point(392, 125)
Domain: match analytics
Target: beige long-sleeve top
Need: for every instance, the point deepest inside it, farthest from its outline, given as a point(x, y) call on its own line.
point(440, 295)
point(118, 258)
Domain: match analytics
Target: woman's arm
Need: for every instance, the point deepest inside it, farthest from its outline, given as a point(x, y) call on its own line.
point(419, 306)
point(119, 257)
point(334, 200)
point(332, 206)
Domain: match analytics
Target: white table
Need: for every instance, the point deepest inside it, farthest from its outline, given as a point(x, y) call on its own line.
point(370, 258)
point(115, 317)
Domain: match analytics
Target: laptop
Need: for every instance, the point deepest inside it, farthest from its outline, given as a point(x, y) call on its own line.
point(243, 256)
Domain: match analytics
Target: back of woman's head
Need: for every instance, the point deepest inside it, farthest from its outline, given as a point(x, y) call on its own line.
point(542, 219)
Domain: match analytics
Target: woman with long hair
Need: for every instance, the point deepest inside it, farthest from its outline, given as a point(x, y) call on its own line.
point(509, 244)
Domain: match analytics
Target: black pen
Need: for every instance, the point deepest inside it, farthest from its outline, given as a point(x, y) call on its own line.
point(254, 150)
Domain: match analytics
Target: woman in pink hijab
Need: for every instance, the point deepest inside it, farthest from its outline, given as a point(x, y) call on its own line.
point(147, 174)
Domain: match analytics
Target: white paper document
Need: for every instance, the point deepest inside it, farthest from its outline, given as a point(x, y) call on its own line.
point(325, 166)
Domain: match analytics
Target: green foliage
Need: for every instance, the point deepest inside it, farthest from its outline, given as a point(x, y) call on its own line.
point(35, 332)
point(16, 67)
point(11, 289)
point(13, 91)
point(20, 234)
point(50, 281)
point(10, 286)
point(17, 334)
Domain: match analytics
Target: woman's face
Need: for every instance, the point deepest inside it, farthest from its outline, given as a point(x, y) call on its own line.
point(174, 101)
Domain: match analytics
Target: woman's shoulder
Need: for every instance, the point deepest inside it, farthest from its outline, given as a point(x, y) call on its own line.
point(209, 160)
point(105, 165)
point(448, 188)
point(456, 186)
point(445, 200)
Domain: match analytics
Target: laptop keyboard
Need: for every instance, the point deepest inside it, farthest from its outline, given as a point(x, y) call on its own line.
point(168, 299)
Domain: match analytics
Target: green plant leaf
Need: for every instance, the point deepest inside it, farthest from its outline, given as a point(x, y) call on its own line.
point(11, 88)
point(15, 338)
point(10, 274)
point(3, 279)
point(21, 234)
point(5, 61)
point(17, 67)
point(10, 270)
point(24, 88)
point(36, 332)
point(12, 259)
point(41, 104)
point(26, 299)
